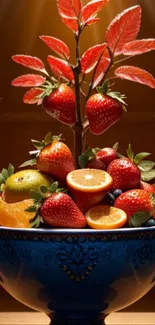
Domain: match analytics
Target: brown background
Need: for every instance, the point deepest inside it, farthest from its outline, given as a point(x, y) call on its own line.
point(21, 22)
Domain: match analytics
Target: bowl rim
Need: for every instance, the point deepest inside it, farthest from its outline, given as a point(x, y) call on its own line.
point(70, 231)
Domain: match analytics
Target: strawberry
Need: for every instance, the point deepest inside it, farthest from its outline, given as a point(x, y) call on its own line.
point(98, 158)
point(102, 112)
point(52, 157)
point(55, 208)
point(61, 104)
point(55, 159)
point(134, 201)
point(59, 210)
point(147, 187)
point(104, 109)
point(96, 164)
point(146, 167)
point(107, 155)
point(124, 173)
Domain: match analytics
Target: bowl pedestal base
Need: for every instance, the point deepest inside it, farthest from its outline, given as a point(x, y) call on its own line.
point(98, 320)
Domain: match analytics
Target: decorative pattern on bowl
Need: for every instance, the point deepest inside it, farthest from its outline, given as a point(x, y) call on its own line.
point(77, 275)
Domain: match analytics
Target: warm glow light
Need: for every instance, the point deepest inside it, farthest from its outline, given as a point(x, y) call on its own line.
point(149, 7)
point(107, 14)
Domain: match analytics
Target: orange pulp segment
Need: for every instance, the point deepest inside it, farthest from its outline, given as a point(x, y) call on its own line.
point(89, 180)
point(14, 215)
point(105, 217)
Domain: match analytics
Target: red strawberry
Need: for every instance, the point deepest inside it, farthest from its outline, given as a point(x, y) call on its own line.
point(56, 159)
point(102, 112)
point(147, 187)
point(135, 200)
point(96, 164)
point(59, 210)
point(52, 157)
point(97, 158)
point(107, 155)
point(61, 104)
point(124, 173)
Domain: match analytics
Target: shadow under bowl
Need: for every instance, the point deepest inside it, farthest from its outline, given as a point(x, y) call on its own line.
point(77, 276)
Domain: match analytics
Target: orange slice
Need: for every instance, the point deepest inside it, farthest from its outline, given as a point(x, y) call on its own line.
point(88, 186)
point(105, 217)
point(14, 215)
point(89, 180)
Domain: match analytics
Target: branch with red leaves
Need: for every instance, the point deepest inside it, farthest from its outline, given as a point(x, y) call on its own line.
point(120, 39)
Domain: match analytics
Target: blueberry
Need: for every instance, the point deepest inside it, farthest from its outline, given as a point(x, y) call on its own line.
point(117, 193)
point(150, 223)
point(109, 199)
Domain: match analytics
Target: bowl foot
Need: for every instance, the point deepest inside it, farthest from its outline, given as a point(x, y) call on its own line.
point(77, 320)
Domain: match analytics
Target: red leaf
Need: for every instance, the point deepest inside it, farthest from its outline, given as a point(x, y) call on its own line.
point(71, 23)
point(92, 21)
point(91, 9)
point(69, 11)
point(77, 6)
point(91, 56)
point(28, 80)
point(123, 29)
point(139, 46)
point(101, 68)
point(56, 45)
point(30, 96)
point(60, 68)
point(69, 8)
point(29, 62)
point(135, 74)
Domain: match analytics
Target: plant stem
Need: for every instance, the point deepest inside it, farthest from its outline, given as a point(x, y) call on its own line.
point(119, 61)
point(107, 70)
point(110, 64)
point(93, 76)
point(78, 127)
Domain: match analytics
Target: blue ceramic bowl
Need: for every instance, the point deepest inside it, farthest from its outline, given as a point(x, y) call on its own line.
point(77, 276)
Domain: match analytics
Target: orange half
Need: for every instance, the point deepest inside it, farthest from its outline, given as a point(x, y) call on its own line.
point(14, 215)
point(89, 180)
point(105, 217)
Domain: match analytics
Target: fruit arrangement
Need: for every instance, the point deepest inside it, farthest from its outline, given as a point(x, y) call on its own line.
point(93, 187)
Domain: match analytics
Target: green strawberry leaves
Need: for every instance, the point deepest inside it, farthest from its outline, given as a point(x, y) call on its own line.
point(119, 97)
point(5, 174)
point(56, 189)
point(136, 158)
point(48, 138)
point(115, 146)
point(130, 153)
point(145, 166)
point(39, 145)
point(87, 155)
point(148, 175)
point(105, 89)
point(35, 222)
point(36, 195)
point(32, 208)
point(139, 219)
point(140, 156)
point(30, 162)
